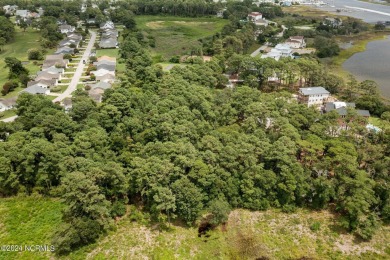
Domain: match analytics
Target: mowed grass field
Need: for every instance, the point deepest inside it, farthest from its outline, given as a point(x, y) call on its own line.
point(18, 48)
point(178, 35)
point(247, 235)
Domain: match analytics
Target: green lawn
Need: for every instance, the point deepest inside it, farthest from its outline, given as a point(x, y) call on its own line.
point(107, 52)
point(18, 48)
point(7, 113)
point(177, 35)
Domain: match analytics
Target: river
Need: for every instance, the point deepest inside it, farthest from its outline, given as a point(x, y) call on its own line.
point(374, 62)
point(368, 12)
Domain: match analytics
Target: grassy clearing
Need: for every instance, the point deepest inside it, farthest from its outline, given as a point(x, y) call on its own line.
point(247, 235)
point(177, 35)
point(28, 221)
point(107, 52)
point(18, 48)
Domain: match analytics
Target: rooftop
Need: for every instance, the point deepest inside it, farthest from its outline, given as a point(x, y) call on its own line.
point(313, 91)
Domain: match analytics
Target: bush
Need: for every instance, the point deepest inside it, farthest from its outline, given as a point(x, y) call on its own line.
point(92, 59)
point(79, 232)
point(35, 54)
point(386, 116)
point(9, 86)
point(68, 57)
point(175, 59)
point(55, 89)
point(118, 209)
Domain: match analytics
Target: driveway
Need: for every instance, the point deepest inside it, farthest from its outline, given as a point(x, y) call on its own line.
point(79, 71)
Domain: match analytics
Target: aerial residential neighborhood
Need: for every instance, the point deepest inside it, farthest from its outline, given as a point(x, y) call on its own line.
point(194, 129)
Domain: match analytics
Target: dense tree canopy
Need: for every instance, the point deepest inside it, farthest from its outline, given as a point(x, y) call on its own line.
point(7, 30)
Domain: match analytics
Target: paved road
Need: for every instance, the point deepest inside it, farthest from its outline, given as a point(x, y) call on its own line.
point(79, 71)
point(9, 119)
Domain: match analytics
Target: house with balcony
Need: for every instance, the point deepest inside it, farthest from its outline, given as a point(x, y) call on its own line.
point(313, 96)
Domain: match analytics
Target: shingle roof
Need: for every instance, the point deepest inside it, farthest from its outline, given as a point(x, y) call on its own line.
point(35, 89)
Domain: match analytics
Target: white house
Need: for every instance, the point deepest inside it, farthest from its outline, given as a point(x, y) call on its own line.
point(65, 28)
point(313, 95)
point(22, 13)
point(280, 51)
point(109, 25)
point(284, 49)
point(296, 42)
point(255, 16)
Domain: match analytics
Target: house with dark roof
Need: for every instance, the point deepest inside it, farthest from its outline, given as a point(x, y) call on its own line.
point(313, 95)
point(342, 108)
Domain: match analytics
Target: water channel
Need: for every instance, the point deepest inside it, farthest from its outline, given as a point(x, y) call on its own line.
point(374, 62)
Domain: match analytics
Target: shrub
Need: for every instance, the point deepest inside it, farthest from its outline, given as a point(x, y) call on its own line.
point(118, 209)
point(35, 54)
point(9, 86)
point(79, 232)
point(55, 89)
point(175, 59)
point(92, 59)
